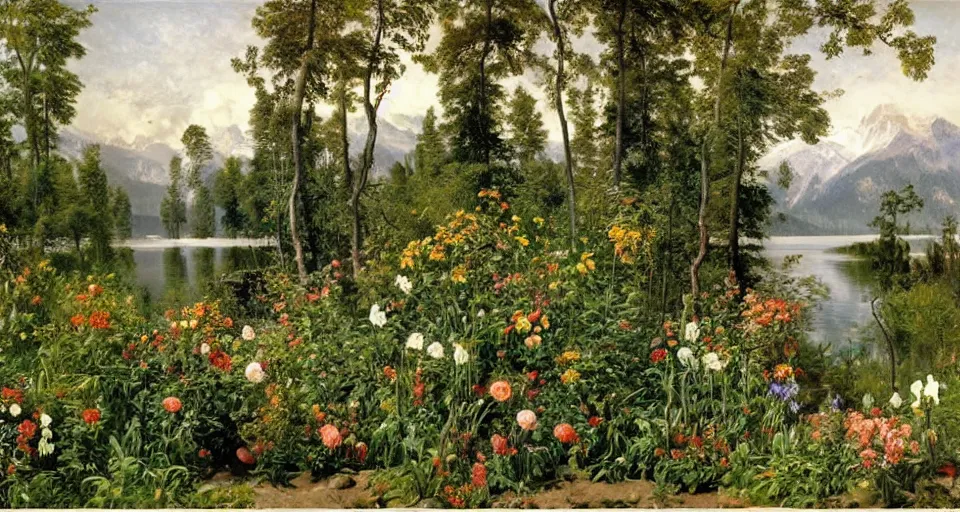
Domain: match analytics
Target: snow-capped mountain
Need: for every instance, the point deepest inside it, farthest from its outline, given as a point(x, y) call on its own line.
point(838, 182)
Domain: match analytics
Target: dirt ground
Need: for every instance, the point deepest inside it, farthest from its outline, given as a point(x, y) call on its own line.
point(578, 494)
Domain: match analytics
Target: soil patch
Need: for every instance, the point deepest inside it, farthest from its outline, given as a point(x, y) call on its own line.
point(305, 493)
point(630, 494)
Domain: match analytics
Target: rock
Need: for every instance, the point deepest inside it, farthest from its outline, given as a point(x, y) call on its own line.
point(340, 482)
point(429, 503)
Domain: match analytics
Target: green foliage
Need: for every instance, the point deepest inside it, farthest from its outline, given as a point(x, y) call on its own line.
point(228, 189)
point(528, 137)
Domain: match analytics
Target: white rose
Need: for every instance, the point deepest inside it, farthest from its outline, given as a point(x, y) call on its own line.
point(415, 341)
point(435, 350)
point(204, 348)
point(15, 410)
point(254, 373)
point(377, 317)
point(711, 361)
point(247, 333)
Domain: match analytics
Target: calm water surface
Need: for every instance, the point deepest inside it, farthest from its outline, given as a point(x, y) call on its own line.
point(838, 318)
point(177, 271)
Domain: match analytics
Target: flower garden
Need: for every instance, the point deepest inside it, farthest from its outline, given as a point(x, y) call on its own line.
point(482, 361)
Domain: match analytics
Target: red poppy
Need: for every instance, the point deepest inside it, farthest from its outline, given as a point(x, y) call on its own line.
point(565, 433)
point(658, 355)
point(478, 475)
point(595, 421)
point(91, 416)
point(172, 404)
point(243, 453)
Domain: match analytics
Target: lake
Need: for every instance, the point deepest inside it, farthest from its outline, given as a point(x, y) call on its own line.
point(838, 319)
point(181, 270)
point(178, 271)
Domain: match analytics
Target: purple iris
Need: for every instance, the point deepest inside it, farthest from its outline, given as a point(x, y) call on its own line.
point(837, 403)
point(786, 392)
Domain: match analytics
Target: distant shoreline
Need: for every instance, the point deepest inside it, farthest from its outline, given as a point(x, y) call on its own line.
point(167, 243)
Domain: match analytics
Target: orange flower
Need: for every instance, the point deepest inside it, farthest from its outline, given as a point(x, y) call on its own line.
point(390, 373)
point(527, 419)
point(91, 416)
point(100, 320)
point(565, 433)
point(36, 300)
point(500, 446)
point(172, 404)
point(501, 391)
point(78, 320)
point(221, 360)
point(331, 436)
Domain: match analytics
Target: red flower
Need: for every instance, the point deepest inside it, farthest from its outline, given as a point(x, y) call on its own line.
point(676, 454)
point(479, 390)
point(243, 453)
point(534, 317)
point(27, 429)
point(501, 447)
point(533, 375)
point(100, 320)
point(335, 263)
point(91, 416)
point(565, 433)
point(8, 394)
point(221, 360)
point(876, 412)
point(203, 453)
point(595, 421)
point(658, 355)
point(362, 452)
point(948, 469)
point(478, 475)
point(172, 404)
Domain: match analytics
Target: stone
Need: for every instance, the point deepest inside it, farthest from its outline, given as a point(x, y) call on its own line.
point(340, 482)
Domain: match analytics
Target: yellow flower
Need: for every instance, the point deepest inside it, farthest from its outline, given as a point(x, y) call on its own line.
point(570, 376)
point(538, 221)
point(554, 285)
point(568, 357)
point(586, 263)
point(437, 254)
point(523, 325)
point(459, 274)
point(523, 241)
point(545, 322)
point(3, 228)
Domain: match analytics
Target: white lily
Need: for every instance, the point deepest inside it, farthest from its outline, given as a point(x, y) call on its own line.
point(460, 354)
point(932, 390)
point(692, 332)
point(917, 389)
point(896, 401)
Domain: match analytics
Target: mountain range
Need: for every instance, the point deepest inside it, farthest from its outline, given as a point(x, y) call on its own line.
point(838, 181)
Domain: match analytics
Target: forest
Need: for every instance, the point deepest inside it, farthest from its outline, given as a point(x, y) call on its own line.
point(487, 320)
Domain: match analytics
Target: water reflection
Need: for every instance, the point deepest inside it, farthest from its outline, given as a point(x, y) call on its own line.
point(838, 319)
point(174, 276)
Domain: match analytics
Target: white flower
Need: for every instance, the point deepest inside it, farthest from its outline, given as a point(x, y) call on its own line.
point(46, 433)
point(254, 373)
point(687, 359)
point(460, 354)
point(403, 283)
point(711, 361)
point(692, 332)
point(45, 420)
point(917, 389)
point(435, 350)
point(896, 401)
point(415, 341)
point(932, 390)
point(481, 313)
point(377, 317)
point(184, 324)
point(15, 410)
point(45, 447)
point(204, 348)
point(247, 333)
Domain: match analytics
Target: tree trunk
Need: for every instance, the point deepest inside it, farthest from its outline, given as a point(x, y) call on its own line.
point(705, 162)
point(558, 93)
point(297, 140)
point(482, 103)
point(366, 163)
point(621, 96)
point(734, 242)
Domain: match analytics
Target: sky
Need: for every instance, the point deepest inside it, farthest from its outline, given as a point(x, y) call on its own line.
point(155, 66)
